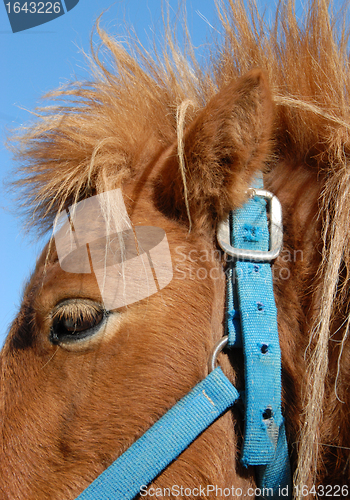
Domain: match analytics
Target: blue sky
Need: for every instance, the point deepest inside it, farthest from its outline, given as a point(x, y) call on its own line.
point(39, 59)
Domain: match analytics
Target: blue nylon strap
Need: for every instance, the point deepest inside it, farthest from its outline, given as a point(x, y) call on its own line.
point(252, 322)
point(165, 440)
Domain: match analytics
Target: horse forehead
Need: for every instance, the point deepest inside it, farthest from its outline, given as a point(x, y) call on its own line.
point(91, 254)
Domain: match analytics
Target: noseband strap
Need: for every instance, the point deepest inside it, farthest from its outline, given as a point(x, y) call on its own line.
point(164, 441)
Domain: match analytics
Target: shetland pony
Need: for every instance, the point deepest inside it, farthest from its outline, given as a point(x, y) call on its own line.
point(183, 142)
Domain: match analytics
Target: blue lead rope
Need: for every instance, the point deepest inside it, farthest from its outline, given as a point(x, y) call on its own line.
point(252, 324)
point(164, 441)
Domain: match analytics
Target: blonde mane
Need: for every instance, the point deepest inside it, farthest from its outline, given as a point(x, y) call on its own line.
point(100, 131)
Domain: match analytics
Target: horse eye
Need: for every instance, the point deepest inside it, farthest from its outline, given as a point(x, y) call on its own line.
point(75, 320)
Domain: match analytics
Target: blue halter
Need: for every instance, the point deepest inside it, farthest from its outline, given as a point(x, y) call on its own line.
point(252, 325)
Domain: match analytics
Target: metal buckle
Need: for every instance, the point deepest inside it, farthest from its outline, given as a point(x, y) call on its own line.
point(276, 232)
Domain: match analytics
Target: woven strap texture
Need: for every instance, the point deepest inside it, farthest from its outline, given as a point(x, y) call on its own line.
point(165, 440)
point(252, 323)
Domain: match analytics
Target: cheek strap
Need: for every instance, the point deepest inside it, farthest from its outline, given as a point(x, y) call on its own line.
point(251, 242)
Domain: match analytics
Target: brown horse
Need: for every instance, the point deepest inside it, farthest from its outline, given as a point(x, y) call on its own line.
point(79, 383)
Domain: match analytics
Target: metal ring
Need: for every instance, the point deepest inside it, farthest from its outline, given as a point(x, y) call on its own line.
point(219, 346)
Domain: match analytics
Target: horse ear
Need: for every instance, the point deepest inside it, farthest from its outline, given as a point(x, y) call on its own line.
point(229, 140)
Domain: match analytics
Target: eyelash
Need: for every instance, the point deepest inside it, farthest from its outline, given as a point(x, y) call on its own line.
point(76, 320)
